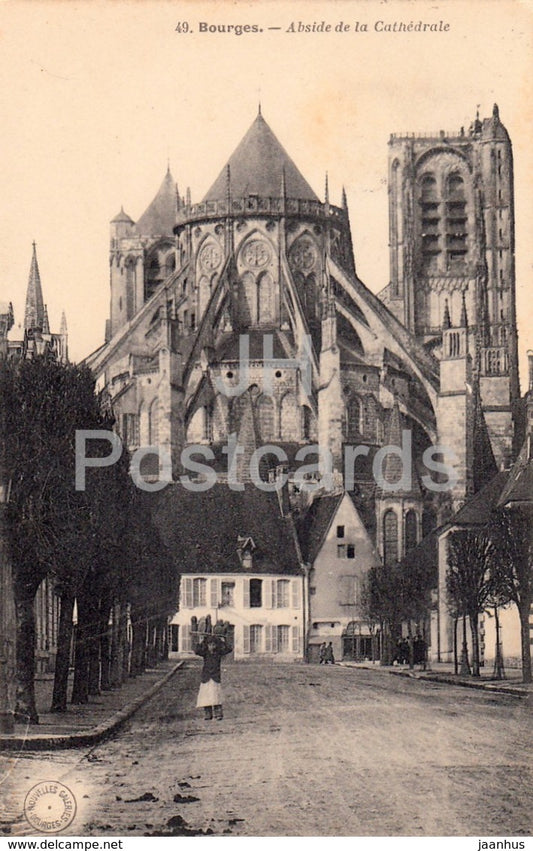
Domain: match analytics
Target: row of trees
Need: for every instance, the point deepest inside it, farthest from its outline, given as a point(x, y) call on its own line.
point(487, 569)
point(99, 544)
point(491, 568)
point(399, 594)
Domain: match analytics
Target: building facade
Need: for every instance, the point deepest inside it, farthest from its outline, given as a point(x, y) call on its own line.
point(243, 315)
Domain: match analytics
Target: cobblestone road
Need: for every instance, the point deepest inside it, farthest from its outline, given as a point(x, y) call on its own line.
point(302, 750)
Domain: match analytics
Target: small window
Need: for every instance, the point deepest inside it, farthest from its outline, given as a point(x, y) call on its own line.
point(199, 592)
point(282, 596)
point(228, 594)
point(340, 531)
point(256, 593)
point(350, 551)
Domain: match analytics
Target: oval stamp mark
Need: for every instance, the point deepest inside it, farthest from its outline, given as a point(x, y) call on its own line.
point(50, 806)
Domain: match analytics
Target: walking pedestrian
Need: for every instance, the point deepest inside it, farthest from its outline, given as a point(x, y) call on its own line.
point(329, 658)
point(322, 654)
point(212, 649)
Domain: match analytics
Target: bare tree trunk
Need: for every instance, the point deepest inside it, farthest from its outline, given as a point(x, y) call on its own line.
point(525, 640)
point(105, 645)
point(465, 664)
point(411, 646)
point(93, 647)
point(80, 686)
point(123, 636)
point(25, 710)
point(115, 672)
point(455, 656)
point(475, 644)
point(64, 642)
point(137, 645)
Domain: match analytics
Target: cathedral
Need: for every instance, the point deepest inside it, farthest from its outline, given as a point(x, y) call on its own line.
point(429, 365)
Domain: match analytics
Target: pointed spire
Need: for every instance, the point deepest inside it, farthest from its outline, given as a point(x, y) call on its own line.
point(46, 321)
point(259, 108)
point(34, 313)
point(464, 318)
point(228, 185)
point(344, 199)
point(283, 183)
point(446, 322)
point(63, 326)
point(326, 189)
point(188, 196)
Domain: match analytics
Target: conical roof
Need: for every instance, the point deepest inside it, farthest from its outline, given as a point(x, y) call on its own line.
point(257, 167)
point(122, 217)
point(159, 217)
point(34, 312)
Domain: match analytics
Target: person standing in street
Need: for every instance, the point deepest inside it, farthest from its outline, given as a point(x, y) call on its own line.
point(329, 658)
point(212, 649)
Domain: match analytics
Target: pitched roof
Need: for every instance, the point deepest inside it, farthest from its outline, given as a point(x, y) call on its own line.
point(477, 511)
point(257, 166)
point(313, 526)
point(519, 486)
point(203, 529)
point(159, 217)
point(34, 312)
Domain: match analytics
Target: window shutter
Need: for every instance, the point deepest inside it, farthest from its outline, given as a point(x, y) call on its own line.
point(213, 592)
point(295, 593)
point(271, 593)
point(185, 637)
point(296, 639)
point(246, 639)
point(268, 638)
point(187, 592)
point(274, 639)
point(246, 599)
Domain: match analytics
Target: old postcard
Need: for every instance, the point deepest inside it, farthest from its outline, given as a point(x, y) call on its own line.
point(266, 397)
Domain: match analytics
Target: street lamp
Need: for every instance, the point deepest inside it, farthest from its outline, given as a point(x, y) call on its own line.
point(7, 722)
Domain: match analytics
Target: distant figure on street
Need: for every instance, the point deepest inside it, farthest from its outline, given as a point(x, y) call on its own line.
point(329, 658)
point(212, 648)
point(322, 654)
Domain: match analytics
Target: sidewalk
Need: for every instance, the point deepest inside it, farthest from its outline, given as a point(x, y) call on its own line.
point(442, 672)
point(91, 722)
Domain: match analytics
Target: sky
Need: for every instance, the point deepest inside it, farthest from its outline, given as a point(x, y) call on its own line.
point(98, 97)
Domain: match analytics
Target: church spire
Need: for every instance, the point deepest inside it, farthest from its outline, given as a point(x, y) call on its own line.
point(34, 312)
point(46, 321)
point(63, 326)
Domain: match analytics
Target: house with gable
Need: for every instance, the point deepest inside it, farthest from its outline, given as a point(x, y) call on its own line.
point(241, 564)
point(339, 552)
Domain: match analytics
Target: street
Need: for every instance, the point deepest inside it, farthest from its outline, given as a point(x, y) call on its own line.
point(302, 750)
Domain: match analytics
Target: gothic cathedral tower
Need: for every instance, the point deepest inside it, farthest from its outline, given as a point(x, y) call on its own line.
point(451, 222)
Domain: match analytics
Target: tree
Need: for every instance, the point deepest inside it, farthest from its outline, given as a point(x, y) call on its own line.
point(511, 533)
point(469, 582)
point(43, 404)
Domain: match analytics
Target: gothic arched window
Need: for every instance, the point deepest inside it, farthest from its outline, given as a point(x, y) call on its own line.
point(390, 538)
point(153, 423)
point(456, 223)
point(353, 417)
point(265, 418)
point(411, 536)
point(290, 418)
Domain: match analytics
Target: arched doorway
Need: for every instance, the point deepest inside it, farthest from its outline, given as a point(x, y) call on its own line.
point(357, 643)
